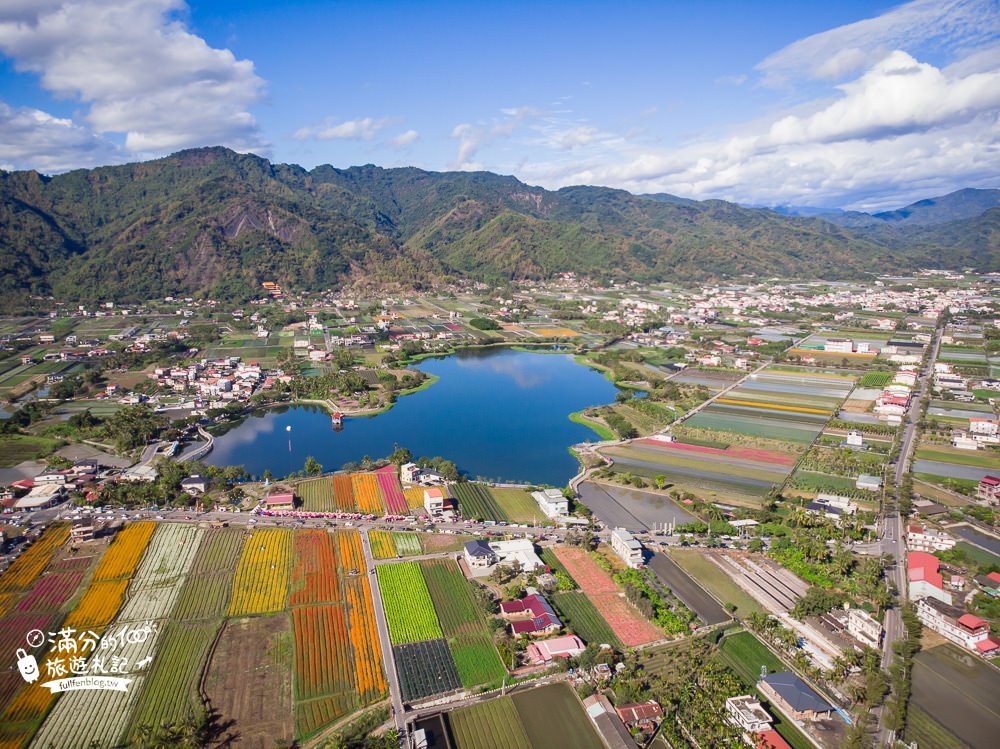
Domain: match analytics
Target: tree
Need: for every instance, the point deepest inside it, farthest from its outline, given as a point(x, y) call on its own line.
point(313, 467)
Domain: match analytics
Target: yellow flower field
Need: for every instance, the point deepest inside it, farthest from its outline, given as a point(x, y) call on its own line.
point(124, 554)
point(260, 584)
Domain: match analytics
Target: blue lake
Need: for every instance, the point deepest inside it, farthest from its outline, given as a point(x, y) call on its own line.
point(499, 414)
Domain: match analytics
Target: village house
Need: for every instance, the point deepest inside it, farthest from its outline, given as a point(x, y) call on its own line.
point(194, 485)
point(793, 696)
point(921, 538)
point(641, 716)
point(989, 584)
point(552, 502)
point(531, 615)
point(988, 490)
point(748, 714)
point(924, 577)
point(627, 547)
point(831, 506)
point(545, 651)
point(869, 483)
point(951, 622)
point(281, 501)
point(864, 628)
point(479, 555)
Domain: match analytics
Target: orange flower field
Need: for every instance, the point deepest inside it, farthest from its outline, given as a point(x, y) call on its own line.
point(366, 493)
point(314, 579)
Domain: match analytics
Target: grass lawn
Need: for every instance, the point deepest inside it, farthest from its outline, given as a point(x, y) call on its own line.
point(977, 458)
point(600, 429)
point(711, 576)
point(958, 485)
point(746, 654)
point(19, 447)
point(518, 505)
point(930, 491)
point(980, 556)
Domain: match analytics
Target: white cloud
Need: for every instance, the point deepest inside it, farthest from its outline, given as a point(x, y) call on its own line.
point(918, 26)
point(364, 128)
point(472, 137)
point(903, 129)
point(575, 137)
point(33, 139)
point(407, 138)
point(139, 70)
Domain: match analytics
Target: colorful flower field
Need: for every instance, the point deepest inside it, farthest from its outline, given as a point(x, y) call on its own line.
point(314, 577)
point(366, 493)
point(387, 544)
point(392, 492)
point(343, 492)
point(338, 659)
point(414, 497)
point(30, 564)
point(625, 620)
point(260, 585)
point(317, 495)
point(182, 578)
point(96, 609)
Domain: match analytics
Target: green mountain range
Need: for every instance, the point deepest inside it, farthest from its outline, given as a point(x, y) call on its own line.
point(212, 222)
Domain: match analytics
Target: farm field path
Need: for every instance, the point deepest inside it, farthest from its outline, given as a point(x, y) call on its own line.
point(382, 625)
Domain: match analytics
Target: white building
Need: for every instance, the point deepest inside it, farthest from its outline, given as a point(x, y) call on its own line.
point(951, 622)
point(626, 547)
point(520, 550)
point(434, 501)
point(985, 427)
point(864, 628)
point(839, 346)
point(552, 502)
point(40, 497)
point(920, 538)
point(409, 473)
point(855, 439)
point(747, 713)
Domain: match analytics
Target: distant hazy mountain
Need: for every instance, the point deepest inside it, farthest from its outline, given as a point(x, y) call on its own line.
point(213, 222)
point(962, 204)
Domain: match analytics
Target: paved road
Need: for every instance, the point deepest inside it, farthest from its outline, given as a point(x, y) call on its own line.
point(892, 540)
point(382, 625)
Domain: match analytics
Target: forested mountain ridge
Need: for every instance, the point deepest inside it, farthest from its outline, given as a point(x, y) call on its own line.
point(213, 222)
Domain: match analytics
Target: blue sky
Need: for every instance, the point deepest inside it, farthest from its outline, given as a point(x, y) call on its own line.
point(849, 104)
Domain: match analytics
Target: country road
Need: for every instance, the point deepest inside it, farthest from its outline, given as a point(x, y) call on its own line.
point(892, 541)
point(382, 625)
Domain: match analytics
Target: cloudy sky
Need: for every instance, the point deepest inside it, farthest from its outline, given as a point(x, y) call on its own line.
point(862, 105)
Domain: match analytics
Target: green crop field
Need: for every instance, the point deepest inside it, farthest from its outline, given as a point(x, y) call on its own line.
point(979, 556)
point(409, 609)
point(875, 379)
point(407, 544)
point(746, 654)
point(464, 625)
point(822, 481)
point(518, 506)
point(317, 495)
point(475, 501)
point(553, 716)
point(20, 447)
point(979, 459)
point(710, 576)
point(488, 725)
point(170, 690)
point(925, 731)
point(581, 618)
